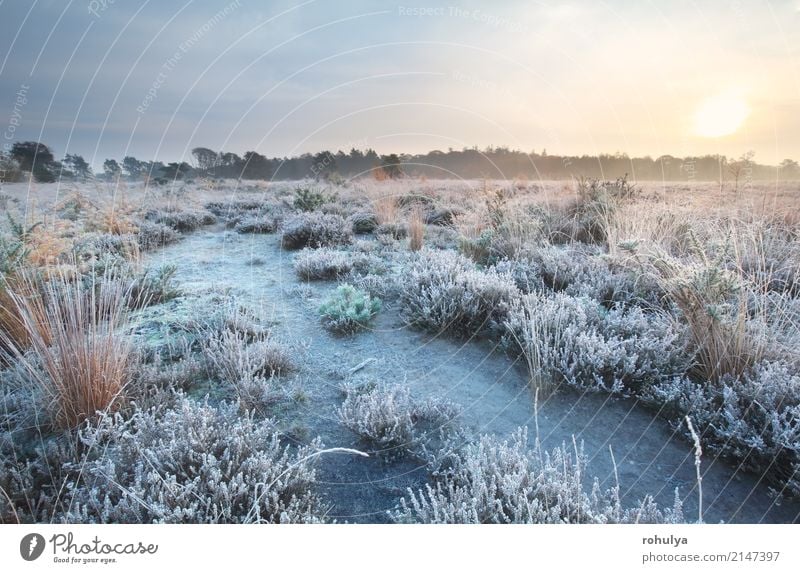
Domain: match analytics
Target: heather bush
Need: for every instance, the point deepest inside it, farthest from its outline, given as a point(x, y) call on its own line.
point(442, 217)
point(315, 230)
point(574, 340)
point(751, 419)
point(181, 220)
point(442, 291)
point(581, 270)
point(192, 464)
point(153, 286)
point(506, 482)
point(392, 230)
point(34, 471)
point(235, 207)
point(102, 246)
point(363, 223)
point(391, 419)
point(250, 366)
point(257, 224)
point(348, 310)
point(152, 236)
point(379, 286)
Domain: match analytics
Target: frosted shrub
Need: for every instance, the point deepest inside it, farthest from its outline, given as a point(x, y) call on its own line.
point(442, 291)
point(380, 286)
point(151, 236)
point(752, 420)
point(314, 230)
point(326, 263)
point(256, 223)
point(580, 271)
point(181, 220)
point(576, 341)
point(348, 310)
point(391, 418)
point(193, 464)
point(249, 366)
point(34, 472)
point(363, 223)
point(501, 482)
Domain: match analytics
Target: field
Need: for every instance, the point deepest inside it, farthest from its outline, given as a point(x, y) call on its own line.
point(404, 350)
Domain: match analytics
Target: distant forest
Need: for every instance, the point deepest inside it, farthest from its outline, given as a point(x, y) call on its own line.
point(468, 163)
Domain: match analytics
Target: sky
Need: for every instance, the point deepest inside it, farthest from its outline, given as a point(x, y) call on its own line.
point(153, 79)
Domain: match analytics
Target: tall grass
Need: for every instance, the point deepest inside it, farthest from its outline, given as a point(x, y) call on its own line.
point(416, 230)
point(76, 356)
point(726, 295)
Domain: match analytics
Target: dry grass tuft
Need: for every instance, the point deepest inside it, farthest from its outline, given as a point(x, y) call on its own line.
point(416, 230)
point(76, 358)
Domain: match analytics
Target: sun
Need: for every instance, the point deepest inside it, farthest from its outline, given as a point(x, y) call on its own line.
point(720, 115)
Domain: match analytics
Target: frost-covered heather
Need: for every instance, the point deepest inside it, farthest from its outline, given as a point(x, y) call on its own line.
point(752, 419)
point(443, 291)
point(192, 464)
point(392, 418)
point(249, 366)
point(494, 481)
point(181, 220)
point(581, 270)
point(576, 341)
point(363, 222)
point(687, 299)
point(152, 236)
point(256, 223)
point(315, 229)
point(326, 263)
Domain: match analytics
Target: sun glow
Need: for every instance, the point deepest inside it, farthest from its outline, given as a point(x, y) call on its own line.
point(720, 115)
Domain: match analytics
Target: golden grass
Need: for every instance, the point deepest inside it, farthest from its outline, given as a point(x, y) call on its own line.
point(416, 229)
point(77, 359)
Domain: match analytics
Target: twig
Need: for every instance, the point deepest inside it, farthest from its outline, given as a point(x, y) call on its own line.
point(358, 367)
point(698, 452)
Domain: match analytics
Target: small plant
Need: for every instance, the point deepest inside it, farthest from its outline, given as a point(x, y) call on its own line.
point(363, 223)
point(315, 230)
point(183, 221)
point(257, 224)
point(152, 236)
point(416, 230)
point(348, 310)
point(306, 199)
point(323, 264)
point(391, 418)
point(153, 286)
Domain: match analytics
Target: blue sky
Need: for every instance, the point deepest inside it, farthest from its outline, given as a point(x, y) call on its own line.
point(154, 79)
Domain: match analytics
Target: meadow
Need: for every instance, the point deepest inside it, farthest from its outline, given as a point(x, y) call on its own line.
point(409, 350)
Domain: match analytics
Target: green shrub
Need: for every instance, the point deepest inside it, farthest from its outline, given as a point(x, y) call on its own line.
point(348, 310)
point(306, 199)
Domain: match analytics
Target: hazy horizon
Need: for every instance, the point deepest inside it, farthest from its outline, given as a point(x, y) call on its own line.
point(105, 79)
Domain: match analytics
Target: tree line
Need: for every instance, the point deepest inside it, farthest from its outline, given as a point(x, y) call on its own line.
point(469, 163)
